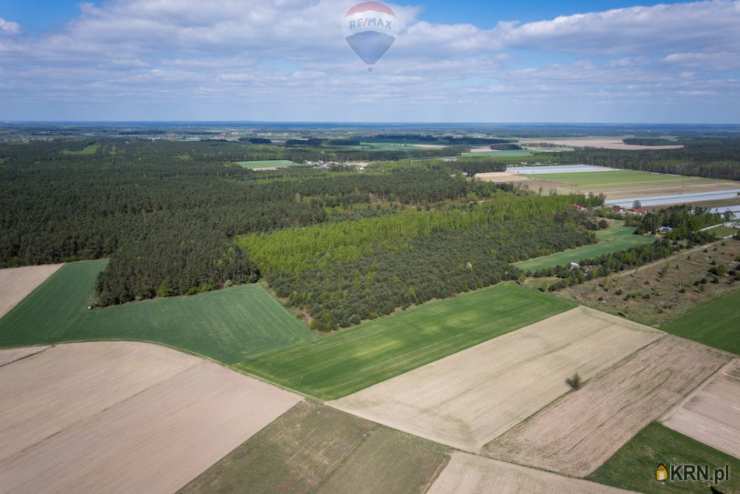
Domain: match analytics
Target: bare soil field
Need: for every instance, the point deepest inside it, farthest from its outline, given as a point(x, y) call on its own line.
point(579, 432)
point(314, 448)
point(663, 290)
point(17, 283)
point(600, 142)
point(501, 177)
point(14, 354)
point(469, 398)
point(123, 417)
point(711, 414)
point(469, 474)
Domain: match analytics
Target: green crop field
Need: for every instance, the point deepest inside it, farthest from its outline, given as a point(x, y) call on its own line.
point(722, 231)
point(313, 448)
point(616, 178)
point(715, 323)
point(87, 151)
point(336, 365)
point(614, 239)
point(227, 325)
point(633, 466)
point(260, 165)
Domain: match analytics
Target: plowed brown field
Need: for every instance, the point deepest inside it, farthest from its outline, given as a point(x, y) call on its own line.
point(123, 418)
point(578, 433)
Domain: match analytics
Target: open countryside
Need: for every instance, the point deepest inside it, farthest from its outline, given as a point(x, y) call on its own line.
point(133, 404)
point(668, 291)
point(577, 434)
point(615, 238)
point(469, 398)
point(228, 325)
point(633, 466)
point(315, 448)
point(470, 474)
point(713, 323)
point(17, 283)
point(620, 187)
point(707, 414)
point(383, 314)
point(369, 247)
point(332, 367)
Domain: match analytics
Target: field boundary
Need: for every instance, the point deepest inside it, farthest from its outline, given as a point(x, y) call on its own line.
point(277, 365)
point(37, 287)
point(694, 391)
point(564, 396)
point(434, 400)
point(577, 448)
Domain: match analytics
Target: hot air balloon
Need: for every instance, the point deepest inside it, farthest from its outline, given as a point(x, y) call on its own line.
point(370, 30)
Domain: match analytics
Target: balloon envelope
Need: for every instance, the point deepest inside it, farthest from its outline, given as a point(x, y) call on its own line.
point(370, 46)
point(370, 30)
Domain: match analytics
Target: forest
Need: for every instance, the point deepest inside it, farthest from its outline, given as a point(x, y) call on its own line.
point(339, 274)
point(166, 213)
point(648, 141)
point(339, 244)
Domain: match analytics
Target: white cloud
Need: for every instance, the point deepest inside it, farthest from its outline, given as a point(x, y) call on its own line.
point(713, 22)
point(266, 52)
point(714, 60)
point(8, 27)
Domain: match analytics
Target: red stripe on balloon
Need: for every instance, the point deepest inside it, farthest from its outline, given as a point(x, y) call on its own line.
point(365, 6)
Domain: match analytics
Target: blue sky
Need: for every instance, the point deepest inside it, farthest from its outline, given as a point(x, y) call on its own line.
point(40, 15)
point(463, 60)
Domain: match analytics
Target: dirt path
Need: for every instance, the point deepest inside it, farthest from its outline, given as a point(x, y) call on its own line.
point(578, 433)
point(662, 290)
point(469, 474)
point(123, 417)
point(469, 398)
point(711, 414)
point(16, 283)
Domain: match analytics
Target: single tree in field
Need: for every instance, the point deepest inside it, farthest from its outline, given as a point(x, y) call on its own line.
point(574, 382)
